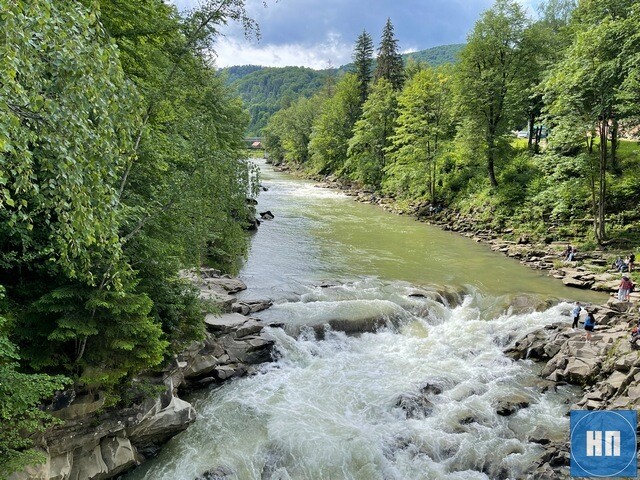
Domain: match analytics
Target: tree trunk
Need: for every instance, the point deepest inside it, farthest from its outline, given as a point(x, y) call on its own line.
point(532, 119)
point(614, 146)
point(600, 232)
point(491, 152)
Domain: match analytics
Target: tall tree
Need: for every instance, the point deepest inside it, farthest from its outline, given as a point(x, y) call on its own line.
point(363, 64)
point(582, 91)
point(490, 76)
point(424, 125)
point(389, 61)
point(367, 151)
point(333, 128)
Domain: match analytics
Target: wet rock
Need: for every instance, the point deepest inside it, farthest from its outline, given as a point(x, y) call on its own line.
point(415, 405)
point(219, 473)
point(509, 405)
point(267, 215)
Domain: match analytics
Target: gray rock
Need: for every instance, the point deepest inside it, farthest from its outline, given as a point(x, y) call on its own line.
point(118, 454)
point(225, 323)
point(61, 466)
point(250, 327)
point(89, 466)
point(81, 406)
point(511, 404)
point(229, 285)
point(201, 365)
point(162, 422)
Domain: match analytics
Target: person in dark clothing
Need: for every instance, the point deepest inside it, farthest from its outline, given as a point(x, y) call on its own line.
point(589, 325)
point(576, 315)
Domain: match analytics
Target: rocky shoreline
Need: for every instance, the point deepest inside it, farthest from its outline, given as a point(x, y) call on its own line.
point(94, 445)
point(607, 369)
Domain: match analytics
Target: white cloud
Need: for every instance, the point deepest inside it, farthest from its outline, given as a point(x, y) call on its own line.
point(332, 52)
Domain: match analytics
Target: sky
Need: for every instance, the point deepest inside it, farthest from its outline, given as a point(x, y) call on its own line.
point(322, 33)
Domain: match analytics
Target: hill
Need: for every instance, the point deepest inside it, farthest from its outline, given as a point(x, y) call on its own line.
point(265, 90)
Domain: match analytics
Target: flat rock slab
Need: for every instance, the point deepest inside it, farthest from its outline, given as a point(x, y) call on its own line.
point(225, 323)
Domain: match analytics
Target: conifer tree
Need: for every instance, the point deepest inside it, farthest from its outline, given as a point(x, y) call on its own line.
point(363, 64)
point(390, 64)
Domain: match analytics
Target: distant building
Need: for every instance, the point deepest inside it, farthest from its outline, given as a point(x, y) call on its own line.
point(256, 145)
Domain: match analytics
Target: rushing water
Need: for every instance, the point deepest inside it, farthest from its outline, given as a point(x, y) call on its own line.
point(332, 408)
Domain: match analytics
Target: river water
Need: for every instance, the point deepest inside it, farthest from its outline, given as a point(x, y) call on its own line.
point(414, 400)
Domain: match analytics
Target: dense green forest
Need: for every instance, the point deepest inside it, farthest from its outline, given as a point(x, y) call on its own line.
point(265, 90)
point(122, 163)
point(445, 136)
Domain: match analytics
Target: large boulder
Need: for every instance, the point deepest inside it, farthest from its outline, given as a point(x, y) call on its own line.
point(162, 422)
point(118, 454)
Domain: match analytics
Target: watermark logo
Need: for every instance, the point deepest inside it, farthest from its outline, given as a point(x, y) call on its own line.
point(603, 443)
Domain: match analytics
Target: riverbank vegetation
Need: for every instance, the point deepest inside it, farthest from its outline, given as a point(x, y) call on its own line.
point(122, 163)
point(444, 136)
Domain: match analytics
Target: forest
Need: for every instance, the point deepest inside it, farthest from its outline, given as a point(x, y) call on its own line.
point(445, 136)
point(122, 164)
point(265, 90)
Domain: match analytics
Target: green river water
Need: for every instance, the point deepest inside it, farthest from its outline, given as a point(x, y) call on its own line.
point(328, 408)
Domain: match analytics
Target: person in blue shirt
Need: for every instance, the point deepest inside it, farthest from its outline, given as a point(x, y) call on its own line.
point(589, 325)
point(576, 315)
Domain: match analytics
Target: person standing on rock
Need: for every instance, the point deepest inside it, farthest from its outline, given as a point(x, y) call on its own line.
point(589, 325)
point(624, 289)
point(576, 315)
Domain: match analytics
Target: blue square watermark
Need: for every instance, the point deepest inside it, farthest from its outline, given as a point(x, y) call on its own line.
point(603, 443)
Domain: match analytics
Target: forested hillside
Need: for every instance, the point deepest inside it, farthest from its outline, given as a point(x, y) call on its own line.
point(265, 90)
point(122, 163)
point(443, 136)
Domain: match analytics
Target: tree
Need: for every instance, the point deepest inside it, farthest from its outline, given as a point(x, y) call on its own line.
point(582, 91)
point(423, 126)
point(366, 155)
point(21, 395)
point(389, 61)
point(363, 64)
point(491, 75)
point(333, 128)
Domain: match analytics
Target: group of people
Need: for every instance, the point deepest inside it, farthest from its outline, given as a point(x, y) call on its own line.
point(625, 265)
point(569, 253)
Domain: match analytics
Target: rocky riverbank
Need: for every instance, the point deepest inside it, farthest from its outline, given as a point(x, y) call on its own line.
point(607, 369)
point(96, 444)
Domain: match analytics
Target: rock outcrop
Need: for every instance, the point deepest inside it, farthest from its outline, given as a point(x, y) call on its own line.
point(96, 445)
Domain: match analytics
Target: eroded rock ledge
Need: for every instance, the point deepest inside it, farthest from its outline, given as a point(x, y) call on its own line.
point(92, 445)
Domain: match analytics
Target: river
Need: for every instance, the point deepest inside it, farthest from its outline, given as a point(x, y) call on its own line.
point(414, 400)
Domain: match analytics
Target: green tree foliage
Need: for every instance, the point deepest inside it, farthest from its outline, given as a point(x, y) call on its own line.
point(363, 64)
point(424, 126)
point(582, 91)
point(121, 164)
point(264, 91)
point(366, 158)
point(491, 83)
point(20, 398)
point(288, 132)
point(436, 56)
point(333, 127)
point(389, 61)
